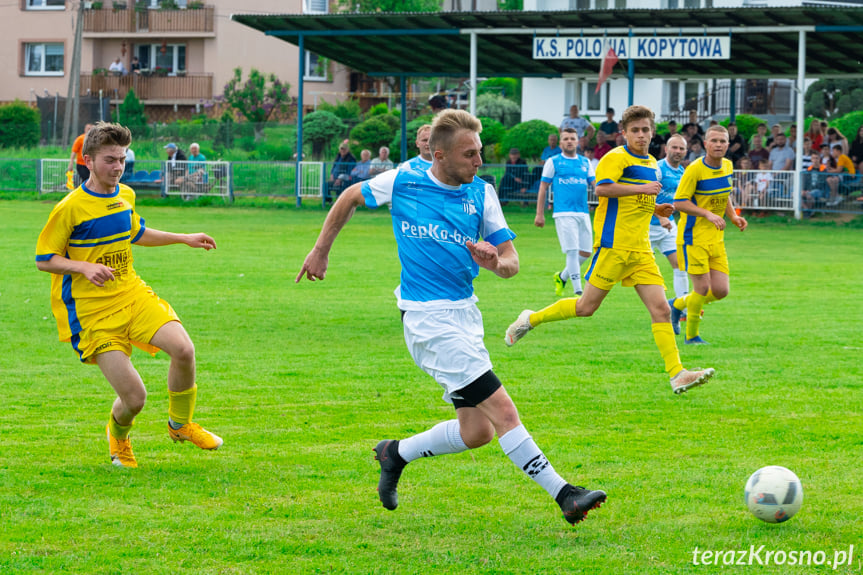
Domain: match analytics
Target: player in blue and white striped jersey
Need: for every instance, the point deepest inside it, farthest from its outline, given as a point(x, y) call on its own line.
point(448, 223)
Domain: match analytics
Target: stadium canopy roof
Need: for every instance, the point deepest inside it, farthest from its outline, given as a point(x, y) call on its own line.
point(764, 40)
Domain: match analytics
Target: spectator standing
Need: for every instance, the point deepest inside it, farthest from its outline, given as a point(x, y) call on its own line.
point(552, 149)
point(382, 163)
point(437, 103)
point(602, 146)
point(579, 124)
point(815, 134)
point(856, 150)
point(117, 67)
point(736, 144)
point(692, 128)
point(136, 66)
point(76, 160)
point(656, 148)
point(340, 173)
point(672, 130)
point(609, 126)
point(761, 131)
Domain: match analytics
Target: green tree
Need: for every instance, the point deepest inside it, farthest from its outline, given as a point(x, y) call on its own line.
point(20, 125)
point(131, 114)
point(257, 98)
point(509, 88)
point(833, 97)
point(346, 110)
point(320, 128)
point(391, 5)
point(372, 134)
point(492, 134)
point(224, 139)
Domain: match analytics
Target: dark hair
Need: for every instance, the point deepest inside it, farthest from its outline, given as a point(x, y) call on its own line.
point(438, 102)
point(636, 113)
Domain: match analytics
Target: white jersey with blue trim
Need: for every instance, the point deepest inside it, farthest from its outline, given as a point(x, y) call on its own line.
point(569, 177)
point(431, 222)
point(670, 179)
point(416, 163)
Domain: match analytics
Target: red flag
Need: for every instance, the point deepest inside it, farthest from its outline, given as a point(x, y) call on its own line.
point(609, 59)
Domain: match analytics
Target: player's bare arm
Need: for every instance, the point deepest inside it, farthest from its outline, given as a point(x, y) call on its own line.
point(615, 190)
point(316, 263)
point(664, 222)
point(687, 207)
point(731, 213)
point(539, 220)
point(154, 238)
point(501, 260)
point(96, 274)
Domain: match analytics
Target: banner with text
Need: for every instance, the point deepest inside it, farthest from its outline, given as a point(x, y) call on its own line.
point(635, 47)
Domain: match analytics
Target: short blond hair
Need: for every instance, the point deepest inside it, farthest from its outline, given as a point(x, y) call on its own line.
point(447, 124)
point(717, 128)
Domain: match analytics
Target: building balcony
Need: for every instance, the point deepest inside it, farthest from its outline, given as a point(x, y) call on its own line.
point(152, 89)
point(108, 22)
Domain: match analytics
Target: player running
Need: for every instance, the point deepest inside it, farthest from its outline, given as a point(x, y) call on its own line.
point(439, 216)
point(627, 185)
point(704, 197)
point(101, 305)
point(571, 174)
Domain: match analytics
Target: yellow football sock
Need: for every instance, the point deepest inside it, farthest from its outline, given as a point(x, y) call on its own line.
point(118, 431)
point(562, 309)
point(663, 335)
point(181, 405)
point(709, 298)
point(694, 305)
point(679, 303)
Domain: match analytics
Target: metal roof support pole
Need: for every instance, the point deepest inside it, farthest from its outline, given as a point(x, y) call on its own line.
point(801, 87)
point(631, 74)
point(473, 73)
point(403, 88)
point(732, 100)
point(298, 174)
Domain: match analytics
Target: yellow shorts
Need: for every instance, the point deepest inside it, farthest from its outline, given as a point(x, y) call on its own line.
point(135, 324)
point(698, 260)
point(610, 266)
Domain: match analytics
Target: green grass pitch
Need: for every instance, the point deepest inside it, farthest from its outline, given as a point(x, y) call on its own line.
point(302, 381)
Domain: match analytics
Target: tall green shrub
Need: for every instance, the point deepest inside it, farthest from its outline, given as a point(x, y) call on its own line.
point(372, 134)
point(529, 137)
point(499, 108)
point(20, 125)
point(131, 115)
point(320, 128)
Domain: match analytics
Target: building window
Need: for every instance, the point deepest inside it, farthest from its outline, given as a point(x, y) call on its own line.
point(43, 59)
point(155, 4)
point(45, 4)
point(316, 67)
point(316, 7)
point(153, 58)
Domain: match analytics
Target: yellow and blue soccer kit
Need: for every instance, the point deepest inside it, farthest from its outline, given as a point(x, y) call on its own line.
point(100, 228)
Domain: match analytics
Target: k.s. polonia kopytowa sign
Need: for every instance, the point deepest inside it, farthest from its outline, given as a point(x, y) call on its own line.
point(635, 47)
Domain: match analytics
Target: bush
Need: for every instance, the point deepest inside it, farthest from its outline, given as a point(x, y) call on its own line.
point(372, 134)
point(20, 125)
point(746, 124)
point(509, 88)
point(529, 137)
point(131, 114)
point(849, 124)
point(224, 139)
point(347, 110)
point(493, 133)
point(498, 108)
point(378, 109)
point(320, 128)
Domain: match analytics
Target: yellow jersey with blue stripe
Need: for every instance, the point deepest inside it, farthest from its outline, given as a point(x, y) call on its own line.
point(707, 187)
point(95, 228)
point(624, 223)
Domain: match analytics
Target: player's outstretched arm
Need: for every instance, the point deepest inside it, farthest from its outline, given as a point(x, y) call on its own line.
point(316, 263)
point(96, 274)
point(152, 238)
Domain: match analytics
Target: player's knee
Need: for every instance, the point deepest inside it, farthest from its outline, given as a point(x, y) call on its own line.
point(720, 293)
point(478, 436)
point(184, 353)
point(134, 401)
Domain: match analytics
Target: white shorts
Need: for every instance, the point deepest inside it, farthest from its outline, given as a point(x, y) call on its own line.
point(574, 232)
point(664, 240)
point(447, 344)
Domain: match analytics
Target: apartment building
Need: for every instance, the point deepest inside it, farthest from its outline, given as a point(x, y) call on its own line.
point(187, 51)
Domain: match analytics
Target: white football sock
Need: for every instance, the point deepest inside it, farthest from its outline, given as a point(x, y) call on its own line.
point(521, 450)
point(443, 438)
point(681, 283)
point(573, 266)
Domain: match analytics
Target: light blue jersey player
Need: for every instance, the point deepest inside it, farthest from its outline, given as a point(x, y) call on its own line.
point(569, 175)
point(424, 160)
point(663, 231)
point(448, 224)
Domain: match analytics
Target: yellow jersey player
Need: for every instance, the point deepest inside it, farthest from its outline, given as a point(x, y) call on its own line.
point(101, 305)
point(704, 198)
point(627, 182)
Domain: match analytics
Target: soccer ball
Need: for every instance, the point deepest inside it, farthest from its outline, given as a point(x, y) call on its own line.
point(773, 494)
